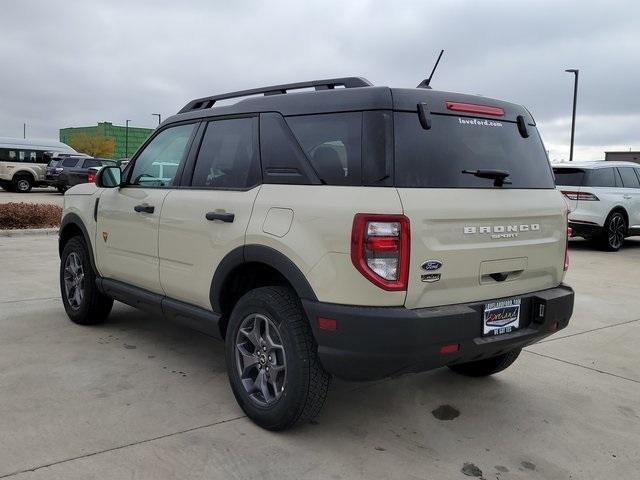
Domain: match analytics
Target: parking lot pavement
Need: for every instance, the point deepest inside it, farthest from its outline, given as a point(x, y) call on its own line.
point(141, 398)
point(37, 195)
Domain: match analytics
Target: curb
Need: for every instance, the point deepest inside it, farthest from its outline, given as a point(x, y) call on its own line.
point(28, 232)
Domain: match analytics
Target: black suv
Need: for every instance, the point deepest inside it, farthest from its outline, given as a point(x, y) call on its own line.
point(66, 172)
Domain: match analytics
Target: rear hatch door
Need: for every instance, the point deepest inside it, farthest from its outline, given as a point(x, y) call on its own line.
point(473, 238)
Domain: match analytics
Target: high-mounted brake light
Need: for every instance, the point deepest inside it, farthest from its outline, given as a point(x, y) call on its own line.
point(380, 249)
point(571, 195)
point(471, 108)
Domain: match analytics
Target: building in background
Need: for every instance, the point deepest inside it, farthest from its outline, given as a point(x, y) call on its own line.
point(626, 156)
point(137, 136)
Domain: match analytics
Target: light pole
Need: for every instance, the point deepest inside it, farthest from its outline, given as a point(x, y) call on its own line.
point(159, 117)
point(24, 130)
point(126, 139)
point(575, 71)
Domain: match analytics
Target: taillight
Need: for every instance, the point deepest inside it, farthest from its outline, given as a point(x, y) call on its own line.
point(380, 249)
point(91, 177)
point(566, 249)
point(571, 195)
point(472, 108)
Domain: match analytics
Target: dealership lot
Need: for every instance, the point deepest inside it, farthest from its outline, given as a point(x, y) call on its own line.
point(37, 195)
point(143, 398)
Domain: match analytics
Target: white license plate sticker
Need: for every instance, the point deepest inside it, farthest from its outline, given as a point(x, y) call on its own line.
point(501, 317)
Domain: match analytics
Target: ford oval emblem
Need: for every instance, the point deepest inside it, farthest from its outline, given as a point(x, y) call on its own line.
point(431, 265)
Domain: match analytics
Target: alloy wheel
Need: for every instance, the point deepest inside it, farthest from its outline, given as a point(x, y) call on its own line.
point(616, 231)
point(23, 185)
point(260, 359)
point(74, 280)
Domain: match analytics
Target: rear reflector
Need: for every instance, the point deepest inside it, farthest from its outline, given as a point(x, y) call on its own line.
point(566, 249)
point(451, 348)
point(327, 323)
point(471, 108)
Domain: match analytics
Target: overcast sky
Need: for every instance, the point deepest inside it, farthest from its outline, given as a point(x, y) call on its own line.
point(78, 62)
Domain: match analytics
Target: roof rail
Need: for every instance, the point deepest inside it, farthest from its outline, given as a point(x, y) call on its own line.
point(329, 84)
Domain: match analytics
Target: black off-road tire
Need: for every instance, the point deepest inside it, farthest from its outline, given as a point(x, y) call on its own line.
point(488, 366)
point(22, 183)
point(615, 229)
point(306, 382)
point(94, 307)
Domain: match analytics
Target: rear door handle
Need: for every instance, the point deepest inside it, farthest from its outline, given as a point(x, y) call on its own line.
point(225, 217)
point(144, 208)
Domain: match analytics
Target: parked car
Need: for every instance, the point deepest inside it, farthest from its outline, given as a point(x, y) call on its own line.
point(64, 173)
point(360, 232)
point(603, 198)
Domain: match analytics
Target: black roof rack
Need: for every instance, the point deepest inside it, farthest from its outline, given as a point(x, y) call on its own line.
point(329, 84)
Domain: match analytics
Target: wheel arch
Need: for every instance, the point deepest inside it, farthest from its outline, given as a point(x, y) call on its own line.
point(249, 267)
point(24, 173)
point(621, 209)
point(72, 226)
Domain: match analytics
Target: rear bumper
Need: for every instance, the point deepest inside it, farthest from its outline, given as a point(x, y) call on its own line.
point(583, 229)
point(376, 342)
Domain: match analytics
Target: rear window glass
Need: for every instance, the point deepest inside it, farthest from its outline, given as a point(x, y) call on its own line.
point(629, 179)
point(601, 177)
point(435, 158)
point(69, 162)
point(92, 162)
point(332, 143)
point(569, 176)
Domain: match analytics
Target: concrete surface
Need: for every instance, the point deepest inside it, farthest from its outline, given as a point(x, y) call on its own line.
point(142, 398)
point(36, 195)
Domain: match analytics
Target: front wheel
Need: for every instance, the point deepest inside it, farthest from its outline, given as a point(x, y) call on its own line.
point(272, 360)
point(488, 366)
point(81, 298)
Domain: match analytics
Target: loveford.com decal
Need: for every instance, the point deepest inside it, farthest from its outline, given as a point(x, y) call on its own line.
point(480, 123)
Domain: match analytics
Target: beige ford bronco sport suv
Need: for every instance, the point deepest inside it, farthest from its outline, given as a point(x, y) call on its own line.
point(343, 229)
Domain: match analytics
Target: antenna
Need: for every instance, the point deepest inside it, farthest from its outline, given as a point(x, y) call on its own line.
point(425, 83)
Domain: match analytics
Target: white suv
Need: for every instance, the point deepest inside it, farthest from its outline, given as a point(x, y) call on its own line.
point(603, 199)
point(360, 232)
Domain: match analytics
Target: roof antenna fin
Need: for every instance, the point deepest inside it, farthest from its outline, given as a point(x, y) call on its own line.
point(425, 83)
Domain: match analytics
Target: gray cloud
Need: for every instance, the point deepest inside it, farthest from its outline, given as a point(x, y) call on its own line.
point(79, 62)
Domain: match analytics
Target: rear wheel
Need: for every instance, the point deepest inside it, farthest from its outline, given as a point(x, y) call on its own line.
point(81, 298)
point(272, 360)
point(22, 183)
point(615, 229)
point(488, 366)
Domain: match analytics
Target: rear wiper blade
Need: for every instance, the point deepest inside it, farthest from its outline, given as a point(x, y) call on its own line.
point(498, 176)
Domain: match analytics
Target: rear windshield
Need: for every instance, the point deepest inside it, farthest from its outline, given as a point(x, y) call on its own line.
point(435, 158)
point(569, 176)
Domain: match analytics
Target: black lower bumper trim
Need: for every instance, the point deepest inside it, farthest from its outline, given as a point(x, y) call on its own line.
point(376, 342)
point(585, 229)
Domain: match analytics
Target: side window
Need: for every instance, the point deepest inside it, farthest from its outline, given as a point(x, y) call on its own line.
point(333, 143)
point(91, 162)
point(602, 177)
point(228, 156)
point(157, 164)
point(629, 178)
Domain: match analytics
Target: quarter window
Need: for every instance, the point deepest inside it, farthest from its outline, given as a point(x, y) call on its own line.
point(228, 156)
point(332, 143)
point(157, 164)
point(602, 177)
point(70, 162)
point(629, 178)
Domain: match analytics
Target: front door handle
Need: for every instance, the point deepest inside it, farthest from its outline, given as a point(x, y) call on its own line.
point(225, 217)
point(144, 208)
point(627, 197)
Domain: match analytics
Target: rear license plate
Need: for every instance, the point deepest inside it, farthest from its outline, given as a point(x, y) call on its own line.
point(501, 317)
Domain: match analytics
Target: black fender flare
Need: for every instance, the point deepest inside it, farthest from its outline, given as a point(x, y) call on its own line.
point(260, 254)
point(73, 219)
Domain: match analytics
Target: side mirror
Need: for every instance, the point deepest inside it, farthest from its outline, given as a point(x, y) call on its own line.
point(109, 177)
